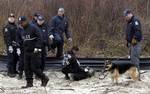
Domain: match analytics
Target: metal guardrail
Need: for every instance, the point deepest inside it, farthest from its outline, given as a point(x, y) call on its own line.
point(96, 63)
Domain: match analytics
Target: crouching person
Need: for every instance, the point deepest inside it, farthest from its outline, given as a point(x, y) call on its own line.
point(72, 69)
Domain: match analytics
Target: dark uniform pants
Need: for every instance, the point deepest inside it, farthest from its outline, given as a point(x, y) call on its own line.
point(59, 45)
point(21, 63)
point(43, 58)
point(12, 61)
point(32, 64)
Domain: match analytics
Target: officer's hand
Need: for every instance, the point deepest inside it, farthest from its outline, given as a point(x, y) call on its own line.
point(128, 44)
point(10, 49)
point(70, 39)
point(18, 51)
point(36, 50)
point(51, 37)
point(134, 41)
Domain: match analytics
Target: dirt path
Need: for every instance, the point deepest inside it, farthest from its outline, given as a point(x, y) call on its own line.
point(57, 85)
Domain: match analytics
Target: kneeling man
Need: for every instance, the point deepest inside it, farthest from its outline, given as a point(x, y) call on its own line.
point(71, 66)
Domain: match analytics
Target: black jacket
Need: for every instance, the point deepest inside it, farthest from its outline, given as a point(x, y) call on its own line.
point(31, 38)
point(19, 36)
point(10, 32)
point(133, 30)
point(73, 66)
point(44, 33)
point(58, 26)
point(33, 21)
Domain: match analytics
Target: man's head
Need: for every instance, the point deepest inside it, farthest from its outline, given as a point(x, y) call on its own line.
point(11, 18)
point(61, 11)
point(23, 21)
point(75, 49)
point(128, 14)
point(40, 20)
point(35, 15)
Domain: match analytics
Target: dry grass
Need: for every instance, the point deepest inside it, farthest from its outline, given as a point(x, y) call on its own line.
point(97, 25)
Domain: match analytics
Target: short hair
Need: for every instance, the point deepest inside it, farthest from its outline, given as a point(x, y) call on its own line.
point(75, 48)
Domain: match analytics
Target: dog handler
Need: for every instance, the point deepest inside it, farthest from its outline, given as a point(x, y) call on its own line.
point(133, 37)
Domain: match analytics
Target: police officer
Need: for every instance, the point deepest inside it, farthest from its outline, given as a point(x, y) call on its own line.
point(35, 17)
point(21, 53)
point(32, 53)
point(44, 33)
point(133, 37)
point(9, 32)
point(59, 26)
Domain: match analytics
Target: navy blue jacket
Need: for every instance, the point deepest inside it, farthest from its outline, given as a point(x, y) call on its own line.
point(58, 26)
point(9, 32)
point(31, 38)
point(44, 33)
point(133, 30)
point(20, 37)
point(33, 21)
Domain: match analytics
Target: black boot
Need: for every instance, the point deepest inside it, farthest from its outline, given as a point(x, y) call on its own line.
point(20, 76)
point(11, 75)
point(36, 77)
point(45, 81)
point(27, 86)
point(67, 77)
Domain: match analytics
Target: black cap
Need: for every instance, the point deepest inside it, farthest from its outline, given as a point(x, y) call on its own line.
point(11, 15)
point(22, 19)
point(40, 18)
point(127, 11)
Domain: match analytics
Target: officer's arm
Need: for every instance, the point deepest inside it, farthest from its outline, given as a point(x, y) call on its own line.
point(128, 34)
point(4, 35)
point(18, 37)
point(51, 26)
point(67, 32)
point(38, 38)
point(7, 36)
point(137, 29)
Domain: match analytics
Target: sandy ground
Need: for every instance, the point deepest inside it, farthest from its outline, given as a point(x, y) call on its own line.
point(58, 85)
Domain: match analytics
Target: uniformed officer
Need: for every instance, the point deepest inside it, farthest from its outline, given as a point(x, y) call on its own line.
point(133, 36)
point(44, 33)
point(9, 32)
point(35, 17)
point(58, 26)
point(32, 53)
point(21, 55)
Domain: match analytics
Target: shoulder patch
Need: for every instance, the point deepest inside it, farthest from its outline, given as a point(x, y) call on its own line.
point(136, 23)
point(6, 30)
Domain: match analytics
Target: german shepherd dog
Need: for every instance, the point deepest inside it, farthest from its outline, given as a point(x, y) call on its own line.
point(116, 69)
